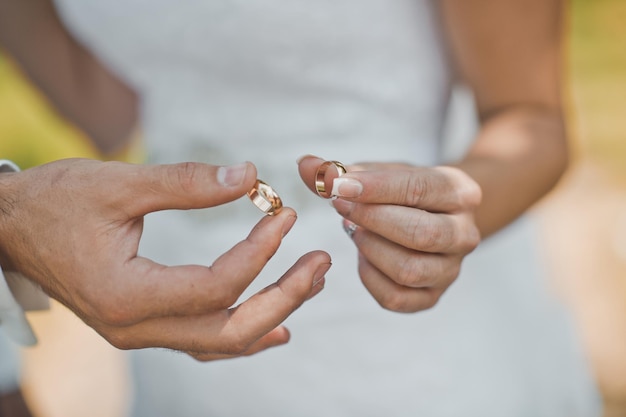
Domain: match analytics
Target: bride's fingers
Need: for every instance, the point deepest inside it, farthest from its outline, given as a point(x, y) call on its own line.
point(393, 296)
point(307, 167)
point(404, 266)
point(409, 227)
point(438, 190)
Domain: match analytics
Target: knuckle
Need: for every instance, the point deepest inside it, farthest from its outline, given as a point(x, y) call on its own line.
point(430, 300)
point(120, 340)
point(113, 312)
point(364, 215)
point(228, 298)
point(469, 239)
point(183, 177)
point(427, 236)
point(403, 303)
point(236, 346)
point(415, 190)
point(473, 239)
point(411, 272)
point(394, 301)
point(453, 270)
point(265, 240)
point(465, 193)
point(117, 317)
point(468, 192)
point(397, 301)
point(235, 342)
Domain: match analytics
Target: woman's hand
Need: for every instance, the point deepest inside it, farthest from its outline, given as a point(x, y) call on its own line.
point(412, 227)
point(74, 227)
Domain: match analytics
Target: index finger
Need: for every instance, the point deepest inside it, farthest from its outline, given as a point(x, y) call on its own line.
point(439, 189)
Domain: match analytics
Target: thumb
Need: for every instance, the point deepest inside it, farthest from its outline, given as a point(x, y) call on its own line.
point(189, 185)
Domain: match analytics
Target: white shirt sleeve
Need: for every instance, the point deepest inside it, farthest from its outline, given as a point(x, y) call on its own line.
point(12, 317)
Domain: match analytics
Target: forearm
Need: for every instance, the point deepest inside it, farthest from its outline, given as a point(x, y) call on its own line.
point(75, 82)
point(519, 155)
point(510, 54)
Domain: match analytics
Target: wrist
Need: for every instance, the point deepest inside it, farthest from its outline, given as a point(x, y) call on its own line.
point(7, 205)
point(16, 292)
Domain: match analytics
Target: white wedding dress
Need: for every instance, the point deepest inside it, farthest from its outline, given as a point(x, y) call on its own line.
point(351, 80)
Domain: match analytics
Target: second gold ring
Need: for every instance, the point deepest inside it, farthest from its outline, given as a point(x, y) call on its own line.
point(265, 198)
point(321, 180)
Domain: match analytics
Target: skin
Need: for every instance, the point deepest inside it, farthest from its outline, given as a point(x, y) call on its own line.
point(416, 224)
point(507, 51)
point(131, 301)
point(81, 247)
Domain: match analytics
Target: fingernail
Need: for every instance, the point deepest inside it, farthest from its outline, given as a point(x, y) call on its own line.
point(346, 187)
point(233, 175)
point(302, 157)
point(320, 273)
point(289, 224)
point(349, 227)
point(317, 288)
point(343, 207)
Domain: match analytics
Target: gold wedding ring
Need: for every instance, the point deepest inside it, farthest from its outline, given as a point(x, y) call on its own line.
point(320, 177)
point(265, 198)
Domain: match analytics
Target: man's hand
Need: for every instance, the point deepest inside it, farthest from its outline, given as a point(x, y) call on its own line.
point(74, 226)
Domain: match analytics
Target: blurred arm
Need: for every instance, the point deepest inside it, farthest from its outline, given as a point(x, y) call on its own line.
point(76, 83)
point(509, 53)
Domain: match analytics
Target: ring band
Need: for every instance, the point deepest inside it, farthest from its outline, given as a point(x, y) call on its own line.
point(265, 198)
point(320, 185)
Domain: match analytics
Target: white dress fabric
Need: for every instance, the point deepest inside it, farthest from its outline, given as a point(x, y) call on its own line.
point(352, 80)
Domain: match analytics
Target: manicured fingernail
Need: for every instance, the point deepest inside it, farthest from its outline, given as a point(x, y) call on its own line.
point(349, 227)
point(347, 187)
point(233, 175)
point(320, 273)
point(343, 207)
point(289, 224)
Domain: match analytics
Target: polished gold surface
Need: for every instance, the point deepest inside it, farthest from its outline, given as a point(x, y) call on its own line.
point(265, 198)
point(320, 177)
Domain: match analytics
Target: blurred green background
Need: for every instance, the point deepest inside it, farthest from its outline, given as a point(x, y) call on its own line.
point(31, 133)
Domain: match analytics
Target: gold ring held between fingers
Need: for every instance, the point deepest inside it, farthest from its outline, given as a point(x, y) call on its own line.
point(265, 198)
point(320, 177)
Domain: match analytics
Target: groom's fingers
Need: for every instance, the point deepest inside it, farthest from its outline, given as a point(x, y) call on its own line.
point(147, 188)
point(142, 289)
point(231, 331)
point(279, 336)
